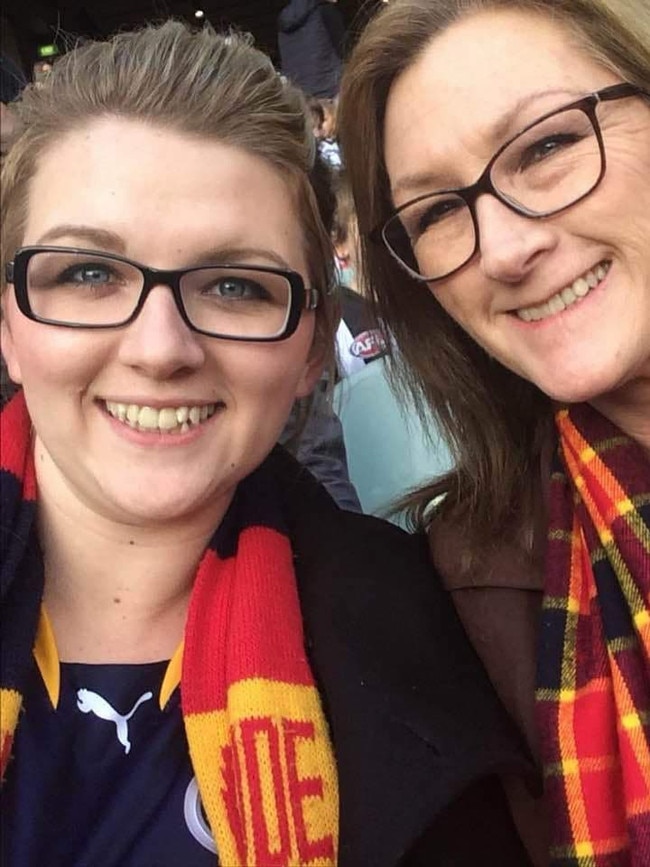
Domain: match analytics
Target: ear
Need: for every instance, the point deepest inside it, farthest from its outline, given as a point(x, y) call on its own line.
point(312, 371)
point(8, 349)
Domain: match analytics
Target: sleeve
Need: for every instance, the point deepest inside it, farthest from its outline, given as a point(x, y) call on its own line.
point(322, 451)
point(333, 23)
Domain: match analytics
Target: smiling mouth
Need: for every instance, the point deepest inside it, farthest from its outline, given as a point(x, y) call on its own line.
point(168, 420)
point(568, 296)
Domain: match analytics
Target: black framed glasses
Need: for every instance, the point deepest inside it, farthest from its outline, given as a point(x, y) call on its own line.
point(552, 164)
point(77, 288)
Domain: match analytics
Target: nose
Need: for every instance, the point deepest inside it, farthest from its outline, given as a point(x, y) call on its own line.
point(510, 244)
point(158, 342)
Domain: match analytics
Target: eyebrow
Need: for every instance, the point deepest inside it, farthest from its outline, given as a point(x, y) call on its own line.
point(498, 132)
point(239, 256)
point(107, 241)
point(102, 238)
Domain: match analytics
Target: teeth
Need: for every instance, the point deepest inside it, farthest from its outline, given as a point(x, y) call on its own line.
point(567, 296)
point(580, 287)
point(168, 420)
point(148, 417)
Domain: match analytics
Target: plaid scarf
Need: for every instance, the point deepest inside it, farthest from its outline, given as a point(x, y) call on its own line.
point(593, 695)
point(258, 739)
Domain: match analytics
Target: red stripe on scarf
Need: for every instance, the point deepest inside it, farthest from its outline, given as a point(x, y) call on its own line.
point(594, 693)
point(257, 734)
point(258, 646)
point(15, 432)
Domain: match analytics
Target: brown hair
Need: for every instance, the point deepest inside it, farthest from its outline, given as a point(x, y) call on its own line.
point(495, 422)
point(215, 86)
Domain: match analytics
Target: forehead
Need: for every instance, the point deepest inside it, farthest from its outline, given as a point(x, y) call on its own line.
point(160, 190)
point(480, 81)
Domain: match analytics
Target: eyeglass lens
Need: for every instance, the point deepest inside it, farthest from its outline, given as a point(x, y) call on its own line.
point(89, 289)
point(545, 169)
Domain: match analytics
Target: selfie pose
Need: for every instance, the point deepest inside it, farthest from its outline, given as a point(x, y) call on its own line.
point(204, 660)
point(499, 154)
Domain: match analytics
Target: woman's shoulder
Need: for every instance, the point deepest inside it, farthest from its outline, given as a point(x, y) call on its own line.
point(499, 562)
point(497, 595)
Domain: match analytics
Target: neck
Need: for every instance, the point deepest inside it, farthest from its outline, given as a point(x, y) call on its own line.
point(629, 409)
point(115, 592)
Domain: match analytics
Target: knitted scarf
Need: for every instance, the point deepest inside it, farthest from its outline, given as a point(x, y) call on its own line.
point(593, 695)
point(257, 735)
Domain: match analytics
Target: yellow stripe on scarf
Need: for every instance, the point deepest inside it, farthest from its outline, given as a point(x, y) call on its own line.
point(289, 791)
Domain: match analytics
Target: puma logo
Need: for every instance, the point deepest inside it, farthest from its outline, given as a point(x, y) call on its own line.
point(92, 702)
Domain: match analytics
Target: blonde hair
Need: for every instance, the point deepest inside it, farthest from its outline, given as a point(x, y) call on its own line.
point(495, 422)
point(214, 86)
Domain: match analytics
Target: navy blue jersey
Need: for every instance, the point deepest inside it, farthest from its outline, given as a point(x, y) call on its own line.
point(104, 779)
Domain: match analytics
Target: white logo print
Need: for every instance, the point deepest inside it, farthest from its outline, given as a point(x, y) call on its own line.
point(92, 702)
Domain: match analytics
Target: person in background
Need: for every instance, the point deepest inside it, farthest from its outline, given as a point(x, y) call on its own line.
point(359, 338)
point(313, 431)
point(12, 81)
point(315, 436)
point(204, 659)
point(41, 71)
point(311, 36)
point(323, 113)
point(345, 235)
point(317, 113)
point(328, 145)
point(499, 154)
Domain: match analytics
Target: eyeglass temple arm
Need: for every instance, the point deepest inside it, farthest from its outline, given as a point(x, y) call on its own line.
point(616, 91)
point(312, 298)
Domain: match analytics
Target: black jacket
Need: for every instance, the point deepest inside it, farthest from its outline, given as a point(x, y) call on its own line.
point(310, 42)
point(418, 733)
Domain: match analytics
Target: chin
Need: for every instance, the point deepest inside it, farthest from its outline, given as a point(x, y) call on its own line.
point(577, 389)
point(155, 506)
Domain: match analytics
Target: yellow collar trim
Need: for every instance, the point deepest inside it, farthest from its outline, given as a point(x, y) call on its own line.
point(172, 676)
point(47, 660)
point(47, 657)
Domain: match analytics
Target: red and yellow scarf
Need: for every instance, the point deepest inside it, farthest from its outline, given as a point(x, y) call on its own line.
point(593, 694)
point(257, 735)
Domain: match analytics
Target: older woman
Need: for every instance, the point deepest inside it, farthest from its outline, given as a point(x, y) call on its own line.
point(500, 159)
point(203, 659)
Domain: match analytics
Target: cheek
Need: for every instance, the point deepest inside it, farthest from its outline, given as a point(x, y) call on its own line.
point(625, 189)
point(469, 306)
point(454, 301)
point(266, 378)
point(45, 358)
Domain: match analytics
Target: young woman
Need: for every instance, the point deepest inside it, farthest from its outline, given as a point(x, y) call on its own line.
point(500, 159)
point(204, 659)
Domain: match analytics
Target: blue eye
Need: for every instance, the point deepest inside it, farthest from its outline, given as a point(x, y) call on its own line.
point(235, 289)
point(86, 274)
